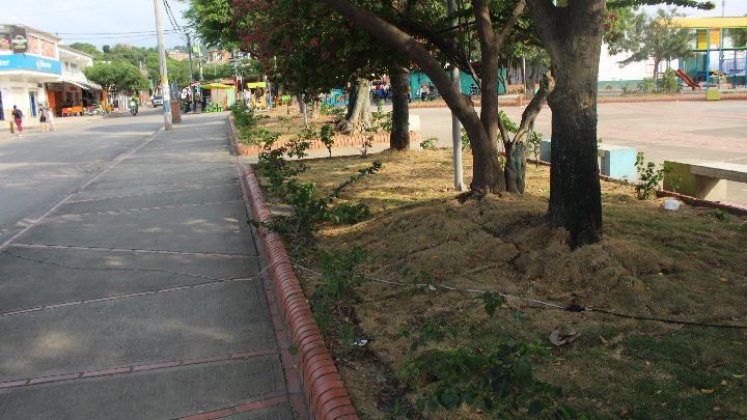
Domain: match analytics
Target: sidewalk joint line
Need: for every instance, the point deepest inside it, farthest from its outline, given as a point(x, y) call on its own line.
point(240, 408)
point(204, 187)
point(142, 367)
point(133, 250)
point(145, 209)
point(214, 282)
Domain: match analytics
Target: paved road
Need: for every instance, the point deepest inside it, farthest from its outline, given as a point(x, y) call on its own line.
point(662, 131)
point(130, 284)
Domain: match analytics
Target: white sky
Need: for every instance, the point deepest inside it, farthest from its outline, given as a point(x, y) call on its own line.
point(95, 21)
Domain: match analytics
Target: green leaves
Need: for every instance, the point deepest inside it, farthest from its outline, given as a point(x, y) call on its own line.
point(117, 75)
point(499, 380)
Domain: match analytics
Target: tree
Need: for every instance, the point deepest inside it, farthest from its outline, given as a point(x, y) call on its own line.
point(117, 76)
point(571, 31)
point(406, 36)
point(656, 37)
point(87, 48)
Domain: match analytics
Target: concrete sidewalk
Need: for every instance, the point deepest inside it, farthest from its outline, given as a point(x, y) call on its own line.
point(141, 295)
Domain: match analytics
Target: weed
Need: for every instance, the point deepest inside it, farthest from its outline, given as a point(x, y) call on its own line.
point(337, 284)
point(337, 112)
point(719, 215)
point(498, 380)
point(533, 146)
point(367, 144)
point(464, 139)
point(430, 143)
point(649, 177)
point(285, 122)
point(382, 120)
point(326, 135)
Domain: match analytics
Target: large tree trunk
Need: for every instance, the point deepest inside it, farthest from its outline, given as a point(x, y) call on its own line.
point(487, 172)
point(573, 36)
point(399, 138)
point(358, 117)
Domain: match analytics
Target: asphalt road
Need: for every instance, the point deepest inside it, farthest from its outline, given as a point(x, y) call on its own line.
point(662, 131)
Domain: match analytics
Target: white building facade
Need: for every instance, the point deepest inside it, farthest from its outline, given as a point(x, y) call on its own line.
point(36, 70)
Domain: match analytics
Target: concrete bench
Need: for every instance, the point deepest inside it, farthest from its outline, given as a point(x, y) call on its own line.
point(703, 179)
point(614, 161)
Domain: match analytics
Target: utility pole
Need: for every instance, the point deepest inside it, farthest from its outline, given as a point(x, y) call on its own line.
point(164, 71)
point(191, 91)
point(456, 126)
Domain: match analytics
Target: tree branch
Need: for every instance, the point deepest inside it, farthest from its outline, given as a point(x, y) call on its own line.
point(508, 26)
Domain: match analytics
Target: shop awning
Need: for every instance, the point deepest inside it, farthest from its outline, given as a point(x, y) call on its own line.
point(81, 84)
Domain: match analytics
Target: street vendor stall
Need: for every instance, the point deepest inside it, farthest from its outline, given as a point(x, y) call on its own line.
point(219, 95)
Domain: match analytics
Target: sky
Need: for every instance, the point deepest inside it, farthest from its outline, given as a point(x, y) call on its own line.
point(102, 22)
point(108, 22)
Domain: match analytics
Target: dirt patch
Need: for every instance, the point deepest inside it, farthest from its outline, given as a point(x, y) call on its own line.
point(689, 265)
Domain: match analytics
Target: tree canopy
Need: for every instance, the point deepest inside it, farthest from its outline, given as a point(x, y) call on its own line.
point(644, 36)
point(117, 76)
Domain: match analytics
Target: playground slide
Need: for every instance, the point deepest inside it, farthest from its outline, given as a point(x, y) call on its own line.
point(688, 81)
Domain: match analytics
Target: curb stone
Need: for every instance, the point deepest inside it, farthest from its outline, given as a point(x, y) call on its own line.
point(326, 395)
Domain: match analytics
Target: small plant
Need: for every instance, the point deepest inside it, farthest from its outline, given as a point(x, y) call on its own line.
point(464, 139)
point(625, 89)
point(285, 122)
point(719, 215)
point(608, 87)
point(382, 120)
point(649, 177)
point(498, 380)
point(646, 85)
point(429, 143)
point(668, 82)
point(367, 144)
point(336, 287)
point(533, 146)
point(326, 134)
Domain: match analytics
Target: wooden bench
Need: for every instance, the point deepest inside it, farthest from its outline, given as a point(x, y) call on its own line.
point(703, 179)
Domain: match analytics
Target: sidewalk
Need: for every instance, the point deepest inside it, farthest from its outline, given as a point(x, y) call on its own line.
point(31, 126)
point(143, 295)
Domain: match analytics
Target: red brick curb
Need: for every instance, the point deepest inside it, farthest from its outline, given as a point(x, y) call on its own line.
point(325, 393)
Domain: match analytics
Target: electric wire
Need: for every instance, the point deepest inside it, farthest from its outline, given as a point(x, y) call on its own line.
point(548, 305)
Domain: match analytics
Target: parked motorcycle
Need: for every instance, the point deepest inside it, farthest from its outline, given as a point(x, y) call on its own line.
point(133, 107)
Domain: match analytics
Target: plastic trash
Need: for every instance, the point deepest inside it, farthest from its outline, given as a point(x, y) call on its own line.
point(672, 204)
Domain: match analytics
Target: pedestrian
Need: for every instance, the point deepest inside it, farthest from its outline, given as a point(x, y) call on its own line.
point(50, 118)
point(18, 117)
point(43, 118)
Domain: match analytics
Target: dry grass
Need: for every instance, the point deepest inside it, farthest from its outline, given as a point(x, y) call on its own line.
point(686, 265)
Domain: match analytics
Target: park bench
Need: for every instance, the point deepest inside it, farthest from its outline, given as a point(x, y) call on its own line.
point(616, 162)
point(702, 179)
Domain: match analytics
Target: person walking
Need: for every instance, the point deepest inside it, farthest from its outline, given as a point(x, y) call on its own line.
point(18, 117)
point(43, 118)
point(50, 118)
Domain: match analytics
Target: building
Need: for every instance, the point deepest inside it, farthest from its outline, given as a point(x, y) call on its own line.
point(178, 55)
point(719, 47)
point(35, 69)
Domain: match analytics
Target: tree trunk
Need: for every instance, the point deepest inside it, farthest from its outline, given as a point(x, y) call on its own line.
point(487, 172)
point(573, 37)
point(358, 117)
point(656, 71)
point(399, 138)
point(516, 148)
point(302, 108)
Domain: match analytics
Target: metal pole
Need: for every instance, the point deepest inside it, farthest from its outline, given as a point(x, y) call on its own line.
point(456, 126)
point(191, 74)
point(164, 71)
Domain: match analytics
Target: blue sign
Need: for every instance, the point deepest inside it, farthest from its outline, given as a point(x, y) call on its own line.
point(29, 62)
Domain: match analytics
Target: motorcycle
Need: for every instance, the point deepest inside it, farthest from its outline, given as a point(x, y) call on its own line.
point(133, 107)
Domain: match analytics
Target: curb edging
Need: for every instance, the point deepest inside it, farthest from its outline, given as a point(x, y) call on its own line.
point(326, 395)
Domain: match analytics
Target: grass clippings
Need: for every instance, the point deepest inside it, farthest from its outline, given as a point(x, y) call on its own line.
point(688, 265)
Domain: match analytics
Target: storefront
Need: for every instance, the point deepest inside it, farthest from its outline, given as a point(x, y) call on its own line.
point(28, 60)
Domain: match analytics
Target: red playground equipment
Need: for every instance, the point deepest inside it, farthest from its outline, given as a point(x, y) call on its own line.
point(688, 81)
